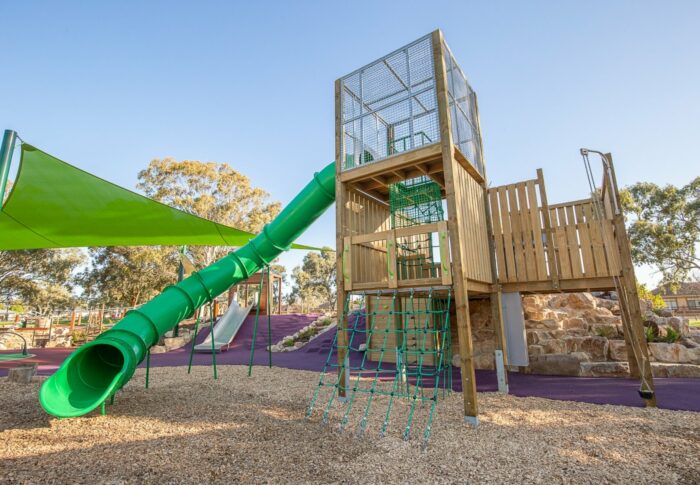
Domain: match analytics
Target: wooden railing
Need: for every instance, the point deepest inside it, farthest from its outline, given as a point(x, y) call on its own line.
point(536, 242)
point(404, 257)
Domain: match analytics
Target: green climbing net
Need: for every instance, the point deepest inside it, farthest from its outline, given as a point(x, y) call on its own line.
point(398, 358)
point(414, 202)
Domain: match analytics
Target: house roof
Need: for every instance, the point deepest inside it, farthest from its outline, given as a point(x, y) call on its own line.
point(685, 288)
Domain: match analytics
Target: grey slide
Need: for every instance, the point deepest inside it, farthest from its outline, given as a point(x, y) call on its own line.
point(225, 329)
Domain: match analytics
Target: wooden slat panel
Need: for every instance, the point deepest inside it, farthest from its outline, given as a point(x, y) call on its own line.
point(597, 247)
point(498, 236)
point(510, 272)
point(585, 238)
point(574, 252)
point(520, 270)
point(526, 224)
point(536, 224)
point(562, 247)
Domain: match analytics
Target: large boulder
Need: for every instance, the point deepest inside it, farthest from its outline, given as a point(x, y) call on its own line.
point(680, 325)
point(605, 369)
point(660, 369)
point(595, 347)
point(553, 346)
point(557, 364)
point(579, 301)
point(674, 353)
point(617, 350)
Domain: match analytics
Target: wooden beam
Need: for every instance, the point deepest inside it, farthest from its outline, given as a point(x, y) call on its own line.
point(551, 252)
point(568, 285)
point(467, 165)
point(340, 232)
point(398, 161)
point(454, 218)
point(635, 336)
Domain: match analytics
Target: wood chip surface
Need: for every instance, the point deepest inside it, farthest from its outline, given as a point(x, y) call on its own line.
point(192, 429)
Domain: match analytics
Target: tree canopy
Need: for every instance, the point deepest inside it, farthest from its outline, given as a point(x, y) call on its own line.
point(664, 227)
point(41, 277)
point(211, 190)
point(314, 280)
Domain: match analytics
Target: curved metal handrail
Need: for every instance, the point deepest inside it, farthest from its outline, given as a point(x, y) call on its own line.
point(24, 340)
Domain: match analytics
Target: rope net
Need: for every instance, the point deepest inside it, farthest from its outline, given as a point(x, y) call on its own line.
point(397, 359)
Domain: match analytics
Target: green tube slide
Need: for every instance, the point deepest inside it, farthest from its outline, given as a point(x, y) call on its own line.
point(98, 369)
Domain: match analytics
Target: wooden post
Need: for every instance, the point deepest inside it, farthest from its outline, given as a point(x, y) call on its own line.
point(279, 297)
point(341, 232)
point(551, 252)
point(101, 316)
point(450, 166)
point(635, 337)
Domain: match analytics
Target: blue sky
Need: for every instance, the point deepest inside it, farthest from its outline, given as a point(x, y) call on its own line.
point(108, 86)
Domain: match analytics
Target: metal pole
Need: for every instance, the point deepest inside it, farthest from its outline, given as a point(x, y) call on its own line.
point(6, 149)
point(180, 277)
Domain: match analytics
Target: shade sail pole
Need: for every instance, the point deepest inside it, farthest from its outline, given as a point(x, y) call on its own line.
point(8, 146)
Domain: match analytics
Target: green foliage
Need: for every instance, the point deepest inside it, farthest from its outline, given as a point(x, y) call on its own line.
point(128, 275)
point(664, 227)
point(655, 301)
point(324, 322)
point(79, 337)
point(42, 278)
point(649, 333)
point(211, 190)
point(314, 280)
point(671, 335)
point(288, 343)
point(17, 308)
point(607, 332)
point(307, 334)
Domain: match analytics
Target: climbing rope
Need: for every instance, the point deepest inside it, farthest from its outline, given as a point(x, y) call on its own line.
point(412, 327)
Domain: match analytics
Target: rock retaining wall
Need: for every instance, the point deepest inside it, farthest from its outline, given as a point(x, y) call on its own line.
point(579, 334)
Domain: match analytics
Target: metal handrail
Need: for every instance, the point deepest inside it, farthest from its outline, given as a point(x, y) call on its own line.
point(24, 346)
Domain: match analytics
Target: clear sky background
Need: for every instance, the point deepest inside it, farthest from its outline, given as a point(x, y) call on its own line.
point(108, 86)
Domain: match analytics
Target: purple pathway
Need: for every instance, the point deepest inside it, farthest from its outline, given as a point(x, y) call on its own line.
point(676, 393)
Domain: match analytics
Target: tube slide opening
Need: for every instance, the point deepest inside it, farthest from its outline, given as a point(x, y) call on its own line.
point(92, 375)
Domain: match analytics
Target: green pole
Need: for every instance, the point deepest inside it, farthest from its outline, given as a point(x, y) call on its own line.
point(211, 334)
point(269, 323)
point(194, 338)
point(180, 277)
point(148, 365)
point(6, 149)
point(255, 326)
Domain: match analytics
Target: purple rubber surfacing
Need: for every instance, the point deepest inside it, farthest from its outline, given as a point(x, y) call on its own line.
point(672, 393)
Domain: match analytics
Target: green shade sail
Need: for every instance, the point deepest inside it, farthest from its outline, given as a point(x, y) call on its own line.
point(53, 205)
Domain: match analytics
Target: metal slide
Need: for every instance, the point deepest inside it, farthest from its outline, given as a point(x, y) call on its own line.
point(98, 369)
point(225, 329)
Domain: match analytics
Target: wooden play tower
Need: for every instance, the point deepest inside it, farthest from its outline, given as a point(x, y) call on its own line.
point(415, 213)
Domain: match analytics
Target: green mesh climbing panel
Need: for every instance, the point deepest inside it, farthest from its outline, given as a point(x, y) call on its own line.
point(397, 365)
point(415, 201)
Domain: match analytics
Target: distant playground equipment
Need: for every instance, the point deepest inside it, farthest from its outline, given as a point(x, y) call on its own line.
point(420, 235)
point(18, 356)
point(225, 329)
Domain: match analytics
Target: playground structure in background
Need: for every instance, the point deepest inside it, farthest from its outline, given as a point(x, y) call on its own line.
point(419, 236)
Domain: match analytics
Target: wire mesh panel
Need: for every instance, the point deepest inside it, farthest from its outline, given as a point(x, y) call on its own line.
point(390, 106)
point(463, 112)
point(415, 201)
